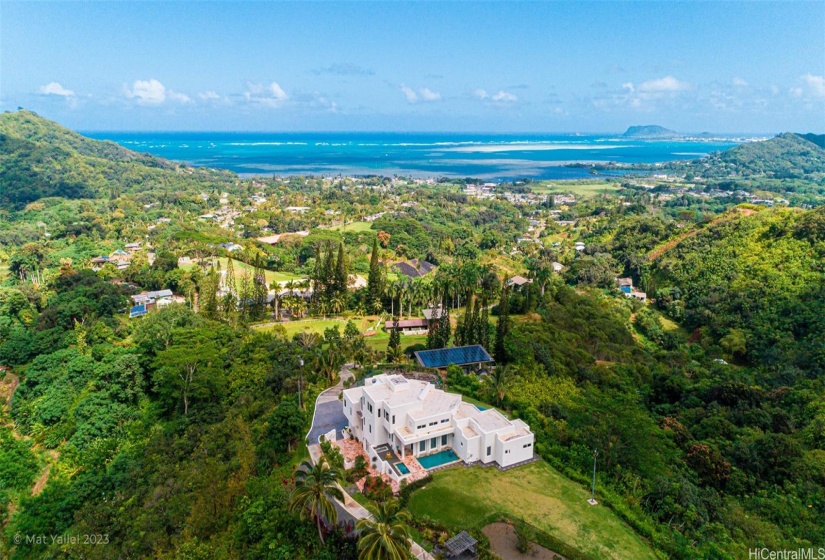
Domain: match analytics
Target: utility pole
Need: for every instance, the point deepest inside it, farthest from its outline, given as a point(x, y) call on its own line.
point(592, 501)
point(300, 382)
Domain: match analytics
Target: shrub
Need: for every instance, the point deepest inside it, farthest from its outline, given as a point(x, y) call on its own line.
point(407, 490)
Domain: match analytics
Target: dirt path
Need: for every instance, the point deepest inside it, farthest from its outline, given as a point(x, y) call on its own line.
point(503, 542)
point(8, 384)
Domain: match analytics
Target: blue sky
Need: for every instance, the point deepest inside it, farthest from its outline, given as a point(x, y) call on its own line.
point(423, 66)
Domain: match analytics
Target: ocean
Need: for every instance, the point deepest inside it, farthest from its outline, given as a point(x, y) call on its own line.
point(485, 156)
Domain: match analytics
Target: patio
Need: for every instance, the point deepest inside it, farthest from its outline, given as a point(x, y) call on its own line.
point(350, 449)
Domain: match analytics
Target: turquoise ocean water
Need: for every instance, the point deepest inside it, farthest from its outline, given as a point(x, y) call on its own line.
point(486, 156)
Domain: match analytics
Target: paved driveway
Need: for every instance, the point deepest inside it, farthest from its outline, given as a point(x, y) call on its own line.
point(329, 411)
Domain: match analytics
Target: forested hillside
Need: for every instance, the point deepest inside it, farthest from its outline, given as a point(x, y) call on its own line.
point(39, 158)
point(754, 281)
point(787, 156)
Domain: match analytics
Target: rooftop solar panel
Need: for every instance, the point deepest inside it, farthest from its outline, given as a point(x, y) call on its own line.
point(460, 355)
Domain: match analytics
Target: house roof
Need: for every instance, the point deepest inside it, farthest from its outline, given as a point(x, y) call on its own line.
point(460, 355)
point(624, 281)
point(518, 281)
point(432, 313)
point(406, 324)
point(414, 268)
point(459, 543)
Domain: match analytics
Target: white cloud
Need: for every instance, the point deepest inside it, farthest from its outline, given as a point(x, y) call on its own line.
point(177, 96)
point(628, 86)
point(409, 93)
point(152, 93)
point(738, 82)
point(423, 94)
point(272, 95)
point(505, 97)
point(209, 96)
point(429, 95)
point(54, 88)
point(499, 97)
point(147, 92)
point(668, 84)
point(814, 85)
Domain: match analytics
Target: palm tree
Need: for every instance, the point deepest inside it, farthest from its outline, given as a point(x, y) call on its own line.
point(307, 339)
point(499, 381)
point(338, 303)
point(329, 363)
point(387, 535)
point(314, 485)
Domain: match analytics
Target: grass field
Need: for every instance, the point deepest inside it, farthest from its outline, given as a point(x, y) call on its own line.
point(585, 188)
point(241, 267)
point(355, 226)
point(535, 493)
point(309, 325)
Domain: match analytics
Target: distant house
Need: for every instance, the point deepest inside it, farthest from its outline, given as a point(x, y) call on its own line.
point(132, 247)
point(231, 247)
point(146, 302)
point(518, 281)
point(625, 284)
point(558, 267)
point(100, 261)
point(414, 268)
point(579, 246)
point(297, 209)
point(356, 282)
point(408, 326)
point(432, 314)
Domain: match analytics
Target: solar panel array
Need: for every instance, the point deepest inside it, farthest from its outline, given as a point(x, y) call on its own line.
point(459, 356)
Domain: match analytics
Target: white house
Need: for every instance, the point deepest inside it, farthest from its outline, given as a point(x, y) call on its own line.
point(405, 416)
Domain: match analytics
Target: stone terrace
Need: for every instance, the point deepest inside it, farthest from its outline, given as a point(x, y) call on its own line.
point(350, 449)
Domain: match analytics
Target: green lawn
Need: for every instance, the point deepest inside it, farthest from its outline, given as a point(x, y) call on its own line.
point(535, 493)
point(582, 188)
point(355, 226)
point(309, 325)
point(241, 267)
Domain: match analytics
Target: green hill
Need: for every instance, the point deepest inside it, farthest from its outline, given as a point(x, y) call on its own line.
point(787, 156)
point(754, 283)
point(39, 158)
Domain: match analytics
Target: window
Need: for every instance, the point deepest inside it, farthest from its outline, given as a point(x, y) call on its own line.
point(369, 406)
point(433, 443)
point(445, 420)
point(489, 450)
point(421, 427)
point(422, 446)
point(370, 428)
point(393, 418)
point(507, 451)
point(433, 423)
point(443, 440)
point(526, 445)
point(379, 413)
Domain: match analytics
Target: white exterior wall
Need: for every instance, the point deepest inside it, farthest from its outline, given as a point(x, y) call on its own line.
point(409, 414)
point(513, 451)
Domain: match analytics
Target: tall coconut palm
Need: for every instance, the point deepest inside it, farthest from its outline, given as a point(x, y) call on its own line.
point(499, 381)
point(314, 486)
point(387, 535)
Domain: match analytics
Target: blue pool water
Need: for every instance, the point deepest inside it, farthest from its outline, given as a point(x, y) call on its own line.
point(438, 459)
point(402, 468)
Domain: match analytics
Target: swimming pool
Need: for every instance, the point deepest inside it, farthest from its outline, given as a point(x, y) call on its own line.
point(438, 459)
point(402, 468)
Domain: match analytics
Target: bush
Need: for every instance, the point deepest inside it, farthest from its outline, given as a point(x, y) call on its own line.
point(407, 490)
